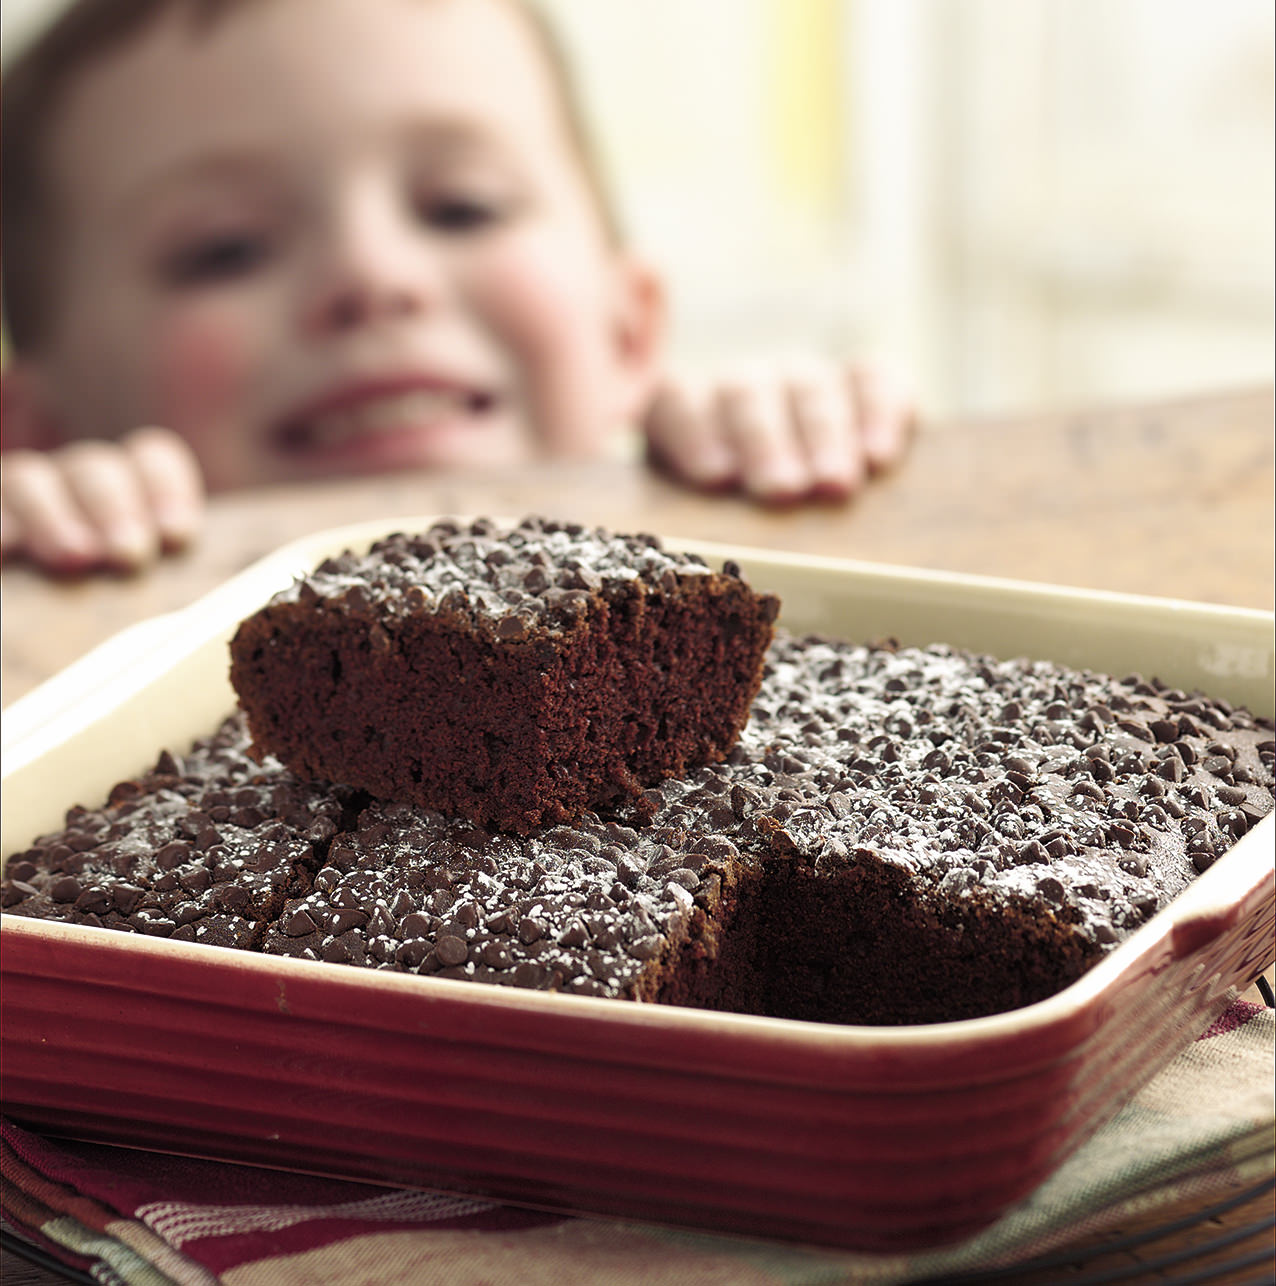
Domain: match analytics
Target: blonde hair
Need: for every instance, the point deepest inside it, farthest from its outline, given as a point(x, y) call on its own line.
point(39, 80)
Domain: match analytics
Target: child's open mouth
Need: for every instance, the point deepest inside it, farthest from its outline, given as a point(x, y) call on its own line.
point(360, 419)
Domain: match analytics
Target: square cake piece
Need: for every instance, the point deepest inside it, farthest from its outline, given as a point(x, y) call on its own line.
point(512, 676)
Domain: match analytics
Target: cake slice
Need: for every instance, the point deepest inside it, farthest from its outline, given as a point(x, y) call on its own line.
point(511, 676)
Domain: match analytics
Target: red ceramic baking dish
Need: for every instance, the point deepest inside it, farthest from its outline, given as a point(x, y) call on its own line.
point(856, 1137)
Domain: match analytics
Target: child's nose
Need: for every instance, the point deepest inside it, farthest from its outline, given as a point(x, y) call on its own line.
point(369, 271)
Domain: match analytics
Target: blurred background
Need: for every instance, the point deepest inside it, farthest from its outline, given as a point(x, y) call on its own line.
point(1032, 203)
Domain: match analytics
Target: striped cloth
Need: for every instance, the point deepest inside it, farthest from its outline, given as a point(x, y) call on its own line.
point(1204, 1125)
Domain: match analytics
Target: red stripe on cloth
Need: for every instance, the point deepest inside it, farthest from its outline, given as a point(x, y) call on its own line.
point(57, 1196)
point(28, 1217)
point(1237, 1015)
point(209, 1209)
point(220, 1254)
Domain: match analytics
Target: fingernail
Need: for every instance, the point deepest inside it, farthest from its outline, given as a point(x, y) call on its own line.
point(781, 485)
point(130, 545)
point(177, 527)
point(70, 556)
point(711, 468)
point(836, 473)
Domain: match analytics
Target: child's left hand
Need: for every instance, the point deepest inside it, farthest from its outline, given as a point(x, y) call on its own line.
point(802, 430)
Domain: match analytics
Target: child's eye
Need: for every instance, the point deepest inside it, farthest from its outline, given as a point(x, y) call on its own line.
point(460, 214)
point(216, 259)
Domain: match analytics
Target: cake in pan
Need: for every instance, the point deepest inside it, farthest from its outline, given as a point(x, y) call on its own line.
point(512, 676)
point(899, 835)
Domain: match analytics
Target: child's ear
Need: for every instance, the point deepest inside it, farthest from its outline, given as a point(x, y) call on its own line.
point(641, 325)
point(27, 419)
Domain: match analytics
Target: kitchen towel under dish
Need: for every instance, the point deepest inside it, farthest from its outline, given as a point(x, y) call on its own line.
point(119, 1215)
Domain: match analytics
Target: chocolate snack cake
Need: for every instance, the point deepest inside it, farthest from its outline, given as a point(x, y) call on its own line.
point(901, 835)
point(514, 677)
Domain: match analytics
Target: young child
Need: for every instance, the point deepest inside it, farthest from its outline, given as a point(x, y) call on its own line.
point(318, 237)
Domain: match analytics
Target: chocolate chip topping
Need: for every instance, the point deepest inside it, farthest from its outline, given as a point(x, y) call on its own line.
point(986, 776)
point(1014, 783)
point(537, 573)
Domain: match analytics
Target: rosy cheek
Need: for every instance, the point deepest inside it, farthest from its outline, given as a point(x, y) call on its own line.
point(200, 369)
point(546, 314)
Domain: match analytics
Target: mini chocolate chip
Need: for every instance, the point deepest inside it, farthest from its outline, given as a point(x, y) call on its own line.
point(1089, 790)
point(16, 891)
point(1122, 833)
point(416, 925)
point(1140, 731)
point(501, 922)
point(1170, 768)
point(66, 889)
point(646, 948)
point(743, 800)
point(173, 854)
point(451, 950)
point(337, 951)
point(1233, 822)
point(93, 901)
point(495, 956)
point(232, 898)
point(1102, 771)
point(510, 628)
point(575, 935)
point(299, 924)
point(412, 954)
point(687, 878)
point(530, 974)
point(126, 897)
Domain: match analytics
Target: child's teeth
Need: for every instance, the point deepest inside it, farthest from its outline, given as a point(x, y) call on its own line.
point(382, 413)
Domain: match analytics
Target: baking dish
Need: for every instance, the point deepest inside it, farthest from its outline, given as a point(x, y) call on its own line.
point(857, 1137)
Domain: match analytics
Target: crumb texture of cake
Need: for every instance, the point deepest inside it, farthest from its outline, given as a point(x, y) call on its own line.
point(511, 676)
point(900, 835)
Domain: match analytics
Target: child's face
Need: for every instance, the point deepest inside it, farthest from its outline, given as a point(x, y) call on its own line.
point(334, 236)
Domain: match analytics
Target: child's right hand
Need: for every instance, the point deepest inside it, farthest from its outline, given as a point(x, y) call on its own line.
point(99, 505)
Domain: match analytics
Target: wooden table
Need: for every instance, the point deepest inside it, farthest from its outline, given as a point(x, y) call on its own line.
point(1170, 499)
